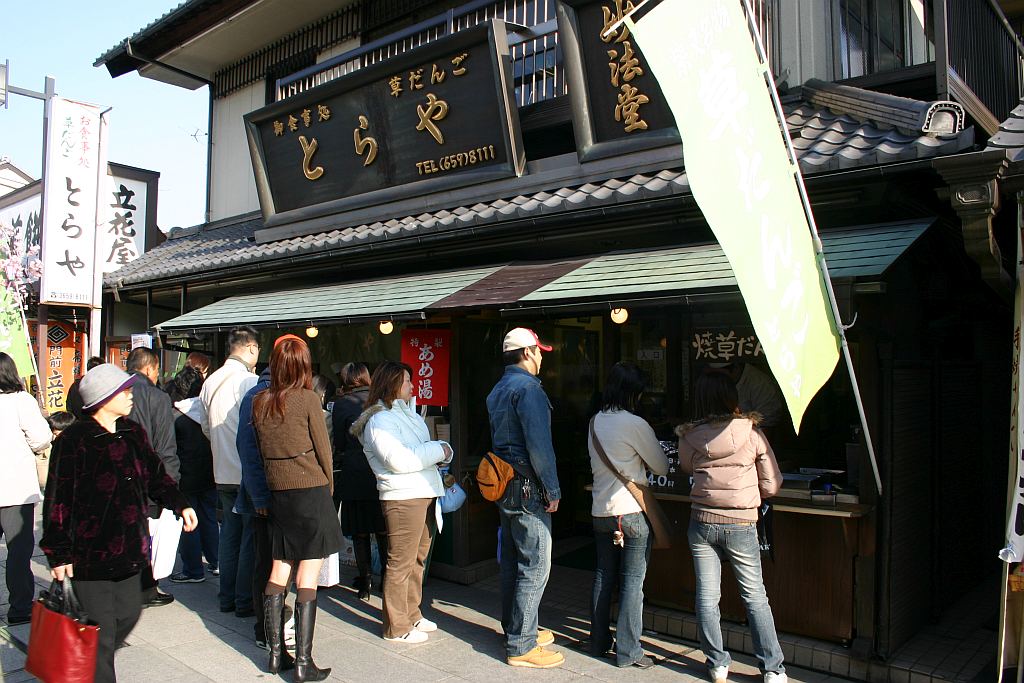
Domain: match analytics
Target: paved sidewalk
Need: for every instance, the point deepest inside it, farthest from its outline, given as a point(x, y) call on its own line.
point(191, 641)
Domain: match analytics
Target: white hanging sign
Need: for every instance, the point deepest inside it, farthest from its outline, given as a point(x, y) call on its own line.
point(76, 163)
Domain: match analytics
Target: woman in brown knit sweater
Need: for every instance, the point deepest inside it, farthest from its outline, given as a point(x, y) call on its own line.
point(303, 525)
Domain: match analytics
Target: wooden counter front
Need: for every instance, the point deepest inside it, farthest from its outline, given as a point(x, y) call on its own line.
point(810, 582)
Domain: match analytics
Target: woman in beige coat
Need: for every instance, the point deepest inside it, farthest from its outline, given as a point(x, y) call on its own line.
point(733, 470)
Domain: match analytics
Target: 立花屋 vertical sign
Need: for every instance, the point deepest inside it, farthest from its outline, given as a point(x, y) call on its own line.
point(427, 353)
point(122, 228)
point(741, 175)
point(75, 166)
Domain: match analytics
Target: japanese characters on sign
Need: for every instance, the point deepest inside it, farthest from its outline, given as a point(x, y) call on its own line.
point(438, 114)
point(75, 165)
point(63, 362)
point(117, 353)
point(615, 97)
point(725, 345)
point(427, 353)
point(23, 218)
point(122, 229)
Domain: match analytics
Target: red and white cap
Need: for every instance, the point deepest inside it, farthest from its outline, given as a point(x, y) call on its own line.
point(522, 338)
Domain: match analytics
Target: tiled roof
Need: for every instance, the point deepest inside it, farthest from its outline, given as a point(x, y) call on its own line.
point(163, 22)
point(1011, 135)
point(824, 141)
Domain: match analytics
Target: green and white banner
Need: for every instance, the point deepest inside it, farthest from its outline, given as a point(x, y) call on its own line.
point(13, 335)
point(737, 163)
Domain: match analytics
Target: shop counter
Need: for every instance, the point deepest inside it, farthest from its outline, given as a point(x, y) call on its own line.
point(811, 581)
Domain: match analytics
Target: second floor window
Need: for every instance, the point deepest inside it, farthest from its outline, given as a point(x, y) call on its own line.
point(872, 36)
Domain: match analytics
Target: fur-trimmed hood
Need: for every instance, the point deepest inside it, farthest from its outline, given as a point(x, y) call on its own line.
point(359, 425)
point(754, 417)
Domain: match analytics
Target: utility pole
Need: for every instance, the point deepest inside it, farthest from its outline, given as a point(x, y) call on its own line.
point(47, 95)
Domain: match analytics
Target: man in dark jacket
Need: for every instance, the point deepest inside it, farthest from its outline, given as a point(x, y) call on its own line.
point(152, 409)
point(74, 402)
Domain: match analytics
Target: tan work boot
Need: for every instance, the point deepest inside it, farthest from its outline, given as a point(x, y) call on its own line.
point(545, 637)
point(538, 658)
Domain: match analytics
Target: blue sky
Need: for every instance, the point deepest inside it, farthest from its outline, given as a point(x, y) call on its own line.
point(151, 125)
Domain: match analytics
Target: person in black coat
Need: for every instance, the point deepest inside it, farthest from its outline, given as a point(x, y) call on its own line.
point(355, 483)
point(152, 410)
point(74, 401)
point(197, 484)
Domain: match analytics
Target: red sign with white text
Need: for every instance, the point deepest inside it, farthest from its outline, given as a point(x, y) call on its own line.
point(426, 352)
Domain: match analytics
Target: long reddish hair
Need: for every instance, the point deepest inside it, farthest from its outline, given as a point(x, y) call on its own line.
point(291, 369)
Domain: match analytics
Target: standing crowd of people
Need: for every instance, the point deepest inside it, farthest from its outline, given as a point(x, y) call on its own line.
point(256, 466)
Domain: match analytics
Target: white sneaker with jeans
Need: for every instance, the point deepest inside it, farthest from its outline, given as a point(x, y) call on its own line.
point(776, 677)
point(719, 674)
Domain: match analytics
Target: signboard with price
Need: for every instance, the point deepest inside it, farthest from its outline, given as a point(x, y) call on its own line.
point(427, 353)
point(439, 116)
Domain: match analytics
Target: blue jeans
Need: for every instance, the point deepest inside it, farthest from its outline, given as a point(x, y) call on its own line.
point(525, 564)
point(626, 566)
point(236, 556)
point(737, 543)
point(202, 540)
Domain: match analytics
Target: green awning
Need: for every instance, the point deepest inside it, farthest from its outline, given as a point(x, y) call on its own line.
point(862, 251)
point(399, 297)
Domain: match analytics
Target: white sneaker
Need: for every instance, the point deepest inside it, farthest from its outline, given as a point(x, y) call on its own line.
point(720, 674)
point(425, 625)
point(412, 636)
point(776, 677)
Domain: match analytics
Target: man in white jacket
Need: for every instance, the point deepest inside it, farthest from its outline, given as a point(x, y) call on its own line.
point(221, 396)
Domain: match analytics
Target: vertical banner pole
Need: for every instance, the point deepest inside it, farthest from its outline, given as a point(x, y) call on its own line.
point(818, 250)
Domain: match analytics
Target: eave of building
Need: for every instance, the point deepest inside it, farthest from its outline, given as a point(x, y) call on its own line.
point(202, 36)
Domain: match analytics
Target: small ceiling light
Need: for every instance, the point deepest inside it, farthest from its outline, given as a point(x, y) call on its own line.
point(312, 331)
point(386, 327)
point(619, 315)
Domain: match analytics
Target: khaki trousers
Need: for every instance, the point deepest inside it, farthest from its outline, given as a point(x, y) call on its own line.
point(411, 526)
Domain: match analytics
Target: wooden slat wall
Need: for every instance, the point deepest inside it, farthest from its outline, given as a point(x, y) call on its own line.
point(906, 515)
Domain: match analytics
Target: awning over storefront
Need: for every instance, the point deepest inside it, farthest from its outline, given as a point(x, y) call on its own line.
point(864, 251)
point(398, 298)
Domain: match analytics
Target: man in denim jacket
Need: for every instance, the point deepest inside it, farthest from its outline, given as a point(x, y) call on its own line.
point(520, 417)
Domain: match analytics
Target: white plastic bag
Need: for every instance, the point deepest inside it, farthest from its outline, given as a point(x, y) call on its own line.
point(165, 533)
point(330, 573)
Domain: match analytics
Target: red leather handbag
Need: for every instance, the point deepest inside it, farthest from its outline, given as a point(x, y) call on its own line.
point(62, 641)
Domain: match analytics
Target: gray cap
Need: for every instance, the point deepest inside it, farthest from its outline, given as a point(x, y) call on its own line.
point(102, 383)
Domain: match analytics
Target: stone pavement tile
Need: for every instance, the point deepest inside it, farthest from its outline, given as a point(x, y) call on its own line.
point(21, 676)
point(360, 661)
point(12, 659)
point(162, 633)
point(482, 661)
point(142, 663)
point(227, 657)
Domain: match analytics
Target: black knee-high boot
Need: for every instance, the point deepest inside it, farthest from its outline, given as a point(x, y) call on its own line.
point(305, 623)
point(273, 618)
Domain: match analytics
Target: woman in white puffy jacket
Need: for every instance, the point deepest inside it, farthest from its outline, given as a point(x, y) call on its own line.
point(23, 431)
point(397, 444)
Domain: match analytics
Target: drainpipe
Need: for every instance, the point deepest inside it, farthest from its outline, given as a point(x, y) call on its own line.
point(209, 120)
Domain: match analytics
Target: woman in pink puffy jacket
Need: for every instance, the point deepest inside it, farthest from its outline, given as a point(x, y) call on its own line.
point(733, 470)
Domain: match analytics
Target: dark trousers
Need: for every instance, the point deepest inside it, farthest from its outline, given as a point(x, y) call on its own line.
point(201, 541)
point(16, 526)
point(115, 606)
point(262, 564)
